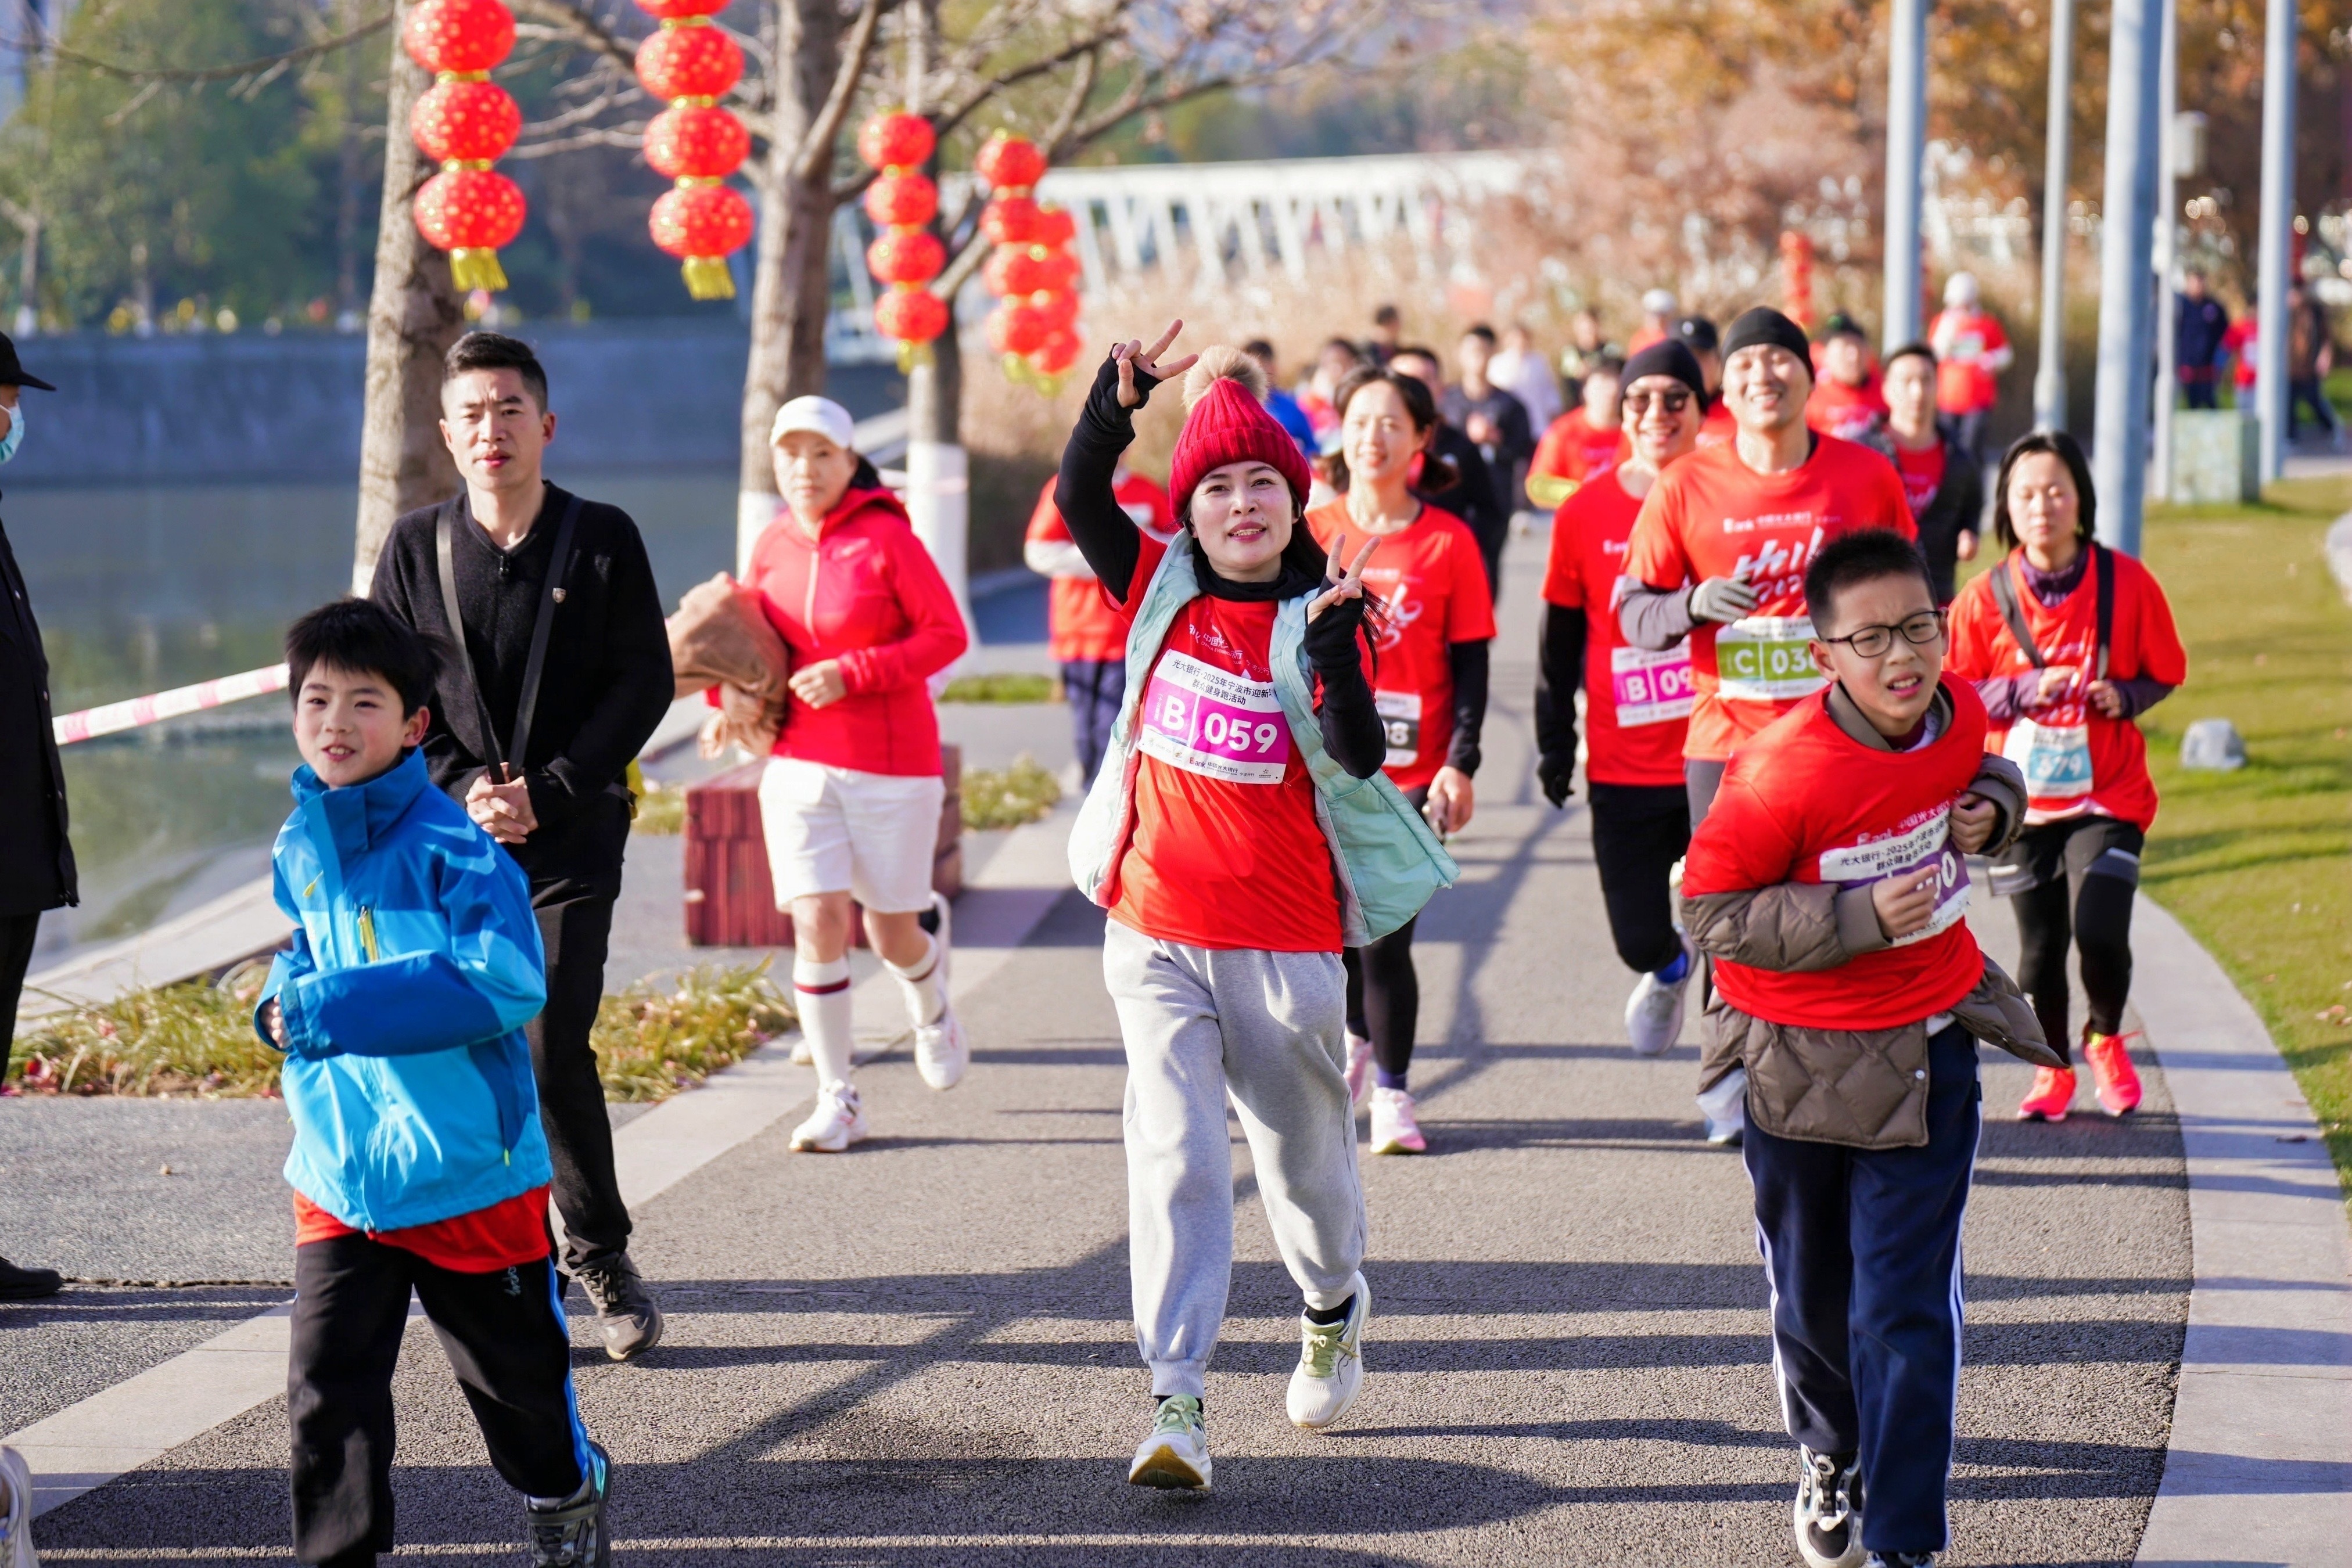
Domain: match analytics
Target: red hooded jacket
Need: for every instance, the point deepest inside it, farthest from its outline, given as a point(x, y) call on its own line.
point(866, 592)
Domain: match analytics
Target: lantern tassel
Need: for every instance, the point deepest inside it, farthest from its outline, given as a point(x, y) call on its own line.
point(912, 354)
point(708, 277)
point(472, 268)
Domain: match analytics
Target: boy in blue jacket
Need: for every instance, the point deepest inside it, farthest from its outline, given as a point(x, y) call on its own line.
point(418, 1162)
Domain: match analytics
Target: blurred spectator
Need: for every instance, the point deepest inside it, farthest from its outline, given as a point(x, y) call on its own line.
point(1470, 497)
point(1972, 350)
point(1278, 402)
point(1846, 401)
point(1698, 335)
point(1337, 357)
point(1585, 347)
point(1490, 416)
point(2310, 355)
point(2200, 339)
point(1388, 327)
point(1519, 369)
point(1581, 443)
point(1657, 321)
point(2239, 346)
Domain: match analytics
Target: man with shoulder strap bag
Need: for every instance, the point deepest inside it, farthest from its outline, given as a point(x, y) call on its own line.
point(559, 670)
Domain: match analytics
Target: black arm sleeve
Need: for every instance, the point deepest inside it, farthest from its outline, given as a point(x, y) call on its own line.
point(1102, 530)
point(1469, 661)
point(1352, 731)
point(1559, 670)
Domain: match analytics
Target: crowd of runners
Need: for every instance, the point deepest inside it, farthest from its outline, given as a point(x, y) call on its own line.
point(1793, 736)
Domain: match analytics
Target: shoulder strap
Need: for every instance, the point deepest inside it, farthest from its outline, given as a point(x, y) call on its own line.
point(444, 548)
point(2004, 593)
point(559, 567)
point(2102, 562)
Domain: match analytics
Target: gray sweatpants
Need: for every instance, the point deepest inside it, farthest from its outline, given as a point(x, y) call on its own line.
point(1272, 1028)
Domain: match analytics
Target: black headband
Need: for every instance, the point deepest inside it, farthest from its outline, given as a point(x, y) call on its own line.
point(1762, 326)
point(1666, 358)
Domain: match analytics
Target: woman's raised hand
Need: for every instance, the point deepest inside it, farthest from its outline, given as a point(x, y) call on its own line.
point(1347, 581)
point(1132, 356)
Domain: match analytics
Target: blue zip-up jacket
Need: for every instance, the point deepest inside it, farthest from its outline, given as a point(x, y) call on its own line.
point(416, 964)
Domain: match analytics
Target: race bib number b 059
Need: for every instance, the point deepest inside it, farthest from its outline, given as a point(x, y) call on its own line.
point(1214, 723)
point(1928, 844)
point(1767, 659)
point(1650, 688)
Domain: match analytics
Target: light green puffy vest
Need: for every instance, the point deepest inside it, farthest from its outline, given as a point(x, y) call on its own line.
point(1386, 860)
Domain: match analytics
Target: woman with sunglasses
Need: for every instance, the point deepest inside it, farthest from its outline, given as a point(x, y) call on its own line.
point(1430, 631)
point(2068, 642)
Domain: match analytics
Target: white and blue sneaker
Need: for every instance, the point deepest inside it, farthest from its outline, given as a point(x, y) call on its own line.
point(1330, 1370)
point(1653, 1013)
point(1828, 1515)
point(1175, 1456)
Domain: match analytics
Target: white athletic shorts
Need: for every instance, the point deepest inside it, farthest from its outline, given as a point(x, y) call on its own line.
point(836, 830)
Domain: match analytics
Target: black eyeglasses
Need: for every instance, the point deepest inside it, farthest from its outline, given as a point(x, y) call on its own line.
point(1676, 401)
point(1873, 641)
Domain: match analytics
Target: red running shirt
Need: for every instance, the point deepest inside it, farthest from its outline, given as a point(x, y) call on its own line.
point(503, 1235)
point(1923, 476)
point(1710, 515)
point(1224, 850)
point(1845, 412)
point(2077, 761)
point(1432, 585)
point(1574, 449)
point(1637, 704)
point(1080, 622)
point(1804, 802)
point(1961, 340)
point(1718, 428)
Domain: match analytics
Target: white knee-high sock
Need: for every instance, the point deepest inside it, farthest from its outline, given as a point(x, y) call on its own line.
point(822, 991)
point(920, 982)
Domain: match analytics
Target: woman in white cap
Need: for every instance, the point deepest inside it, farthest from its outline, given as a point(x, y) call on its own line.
point(1971, 352)
point(850, 802)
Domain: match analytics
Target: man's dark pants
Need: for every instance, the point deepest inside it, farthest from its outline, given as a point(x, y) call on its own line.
point(16, 934)
point(1094, 688)
point(1862, 1247)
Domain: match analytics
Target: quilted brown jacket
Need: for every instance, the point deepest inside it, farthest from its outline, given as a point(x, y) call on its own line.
point(1864, 1088)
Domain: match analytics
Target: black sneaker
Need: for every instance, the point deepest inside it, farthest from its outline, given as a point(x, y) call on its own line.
point(1901, 1560)
point(27, 1284)
point(572, 1535)
point(1829, 1510)
point(625, 1313)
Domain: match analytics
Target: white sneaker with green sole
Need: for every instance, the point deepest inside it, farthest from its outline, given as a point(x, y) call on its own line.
point(1175, 1457)
point(1330, 1370)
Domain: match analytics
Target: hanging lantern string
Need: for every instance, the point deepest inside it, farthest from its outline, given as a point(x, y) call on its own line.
point(691, 63)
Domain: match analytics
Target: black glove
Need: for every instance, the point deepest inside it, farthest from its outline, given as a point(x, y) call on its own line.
point(1557, 776)
point(1332, 636)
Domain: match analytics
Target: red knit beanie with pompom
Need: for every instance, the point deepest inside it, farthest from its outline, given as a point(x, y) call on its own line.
point(1226, 421)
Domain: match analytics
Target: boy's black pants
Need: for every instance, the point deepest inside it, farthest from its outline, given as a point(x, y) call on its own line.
point(1639, 831)
point(1863, 1251)
point(505, 1339)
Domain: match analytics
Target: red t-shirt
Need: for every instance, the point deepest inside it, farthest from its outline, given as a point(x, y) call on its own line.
point(1961, 340)
point(1845, 412)
point(1222, 849)
point(1718, 428)
point(2239, 341)
point(503, 1235)
point(1432, 586)
point(1080, 622)
point(1923, 475)
point(2077, 761)
point(1710, 515)
point(1637, 704)
point(1804, 802)
point(1574, 450)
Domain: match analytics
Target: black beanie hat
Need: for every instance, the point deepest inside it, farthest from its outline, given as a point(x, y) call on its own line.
point(1765, 325)
point(1698, 333)
point(1666, 358)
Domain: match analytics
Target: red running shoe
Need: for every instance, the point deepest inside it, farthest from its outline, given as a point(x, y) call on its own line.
point(2111, 1066)
point(2053, 1091)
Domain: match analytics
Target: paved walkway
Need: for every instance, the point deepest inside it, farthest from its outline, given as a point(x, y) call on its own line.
point(919, 1353)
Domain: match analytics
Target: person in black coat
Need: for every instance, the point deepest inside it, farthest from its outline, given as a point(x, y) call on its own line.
point(36, 862)
point(1468, 490)
point(1940, 480)
point(553, 793)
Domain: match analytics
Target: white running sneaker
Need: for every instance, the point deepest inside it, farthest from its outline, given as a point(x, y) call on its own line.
point(1175, 1457)
point(1395, 1130)
point(837, 1122)
point(17, 1516)
point(1330, 1370)
point(942, 1051)
point(1653, 1013)
point(1360, 1068)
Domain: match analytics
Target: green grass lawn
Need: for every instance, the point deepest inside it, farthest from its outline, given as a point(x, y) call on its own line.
point(2258, 864)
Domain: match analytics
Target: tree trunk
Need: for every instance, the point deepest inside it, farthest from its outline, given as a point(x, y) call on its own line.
point(792, 283)
point(938, 472)
point(414, 316)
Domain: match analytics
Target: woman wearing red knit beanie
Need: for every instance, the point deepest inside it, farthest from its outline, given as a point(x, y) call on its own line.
point(1240, 834)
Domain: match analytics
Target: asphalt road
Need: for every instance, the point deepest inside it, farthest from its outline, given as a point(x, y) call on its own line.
point(919, 1353)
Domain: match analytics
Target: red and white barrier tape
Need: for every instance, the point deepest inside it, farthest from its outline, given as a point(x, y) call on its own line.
point(91, 722)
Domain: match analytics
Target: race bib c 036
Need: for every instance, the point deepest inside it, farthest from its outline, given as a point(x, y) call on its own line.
point(1767, 659)
point(1928, 843)
point(1401, 719)
point(1214, 723)
point(1649, 687)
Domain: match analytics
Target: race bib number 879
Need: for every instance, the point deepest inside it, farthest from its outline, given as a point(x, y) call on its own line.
point(1928, 844)
point(1214, 723)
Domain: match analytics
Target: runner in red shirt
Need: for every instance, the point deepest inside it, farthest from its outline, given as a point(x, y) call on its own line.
point(1582, 443)
point(1637, 703)
point(1972, 350)
point(1941, 482)
point(1706, 343)
point(1433, 620)
point(1085, 636)
point(1846, 401)
point(2097, 649)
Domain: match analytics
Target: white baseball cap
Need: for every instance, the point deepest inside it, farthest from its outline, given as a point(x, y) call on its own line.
point(1659, 302)
point(820, 415)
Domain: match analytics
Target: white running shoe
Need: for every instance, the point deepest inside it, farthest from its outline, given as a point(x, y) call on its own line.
point(1360, 1068)
point(1330, 1370)
point(1725, 1106)
point(1395, 1129)
point(942, 1051)
point(1175, 1456)
point(837, 1122)
point(16, 1517)
point(1653, 1013)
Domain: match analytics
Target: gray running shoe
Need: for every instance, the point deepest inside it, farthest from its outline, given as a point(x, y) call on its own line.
point(625, 1313)
point(1653, 1013)
point(573, 1534)
point(1175, 1456)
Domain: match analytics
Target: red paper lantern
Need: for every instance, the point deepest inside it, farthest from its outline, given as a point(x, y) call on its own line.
point(1010, 220)
point(691, 141)
point(902, 201)
point(1055, 306)
point(702, 225)
point(470, 212)
point(1009, 162)
point(679, 10)
point(459, 35)
point(898, 141)
point(466, 121)
point(1013, 327)
point(910, 315)
point(906, 255)
point(1056, 228)
point(1026, 268)
point(693, 59)
point(1056, 352)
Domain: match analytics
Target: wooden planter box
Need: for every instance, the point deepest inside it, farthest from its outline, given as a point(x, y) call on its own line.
point(730, 899)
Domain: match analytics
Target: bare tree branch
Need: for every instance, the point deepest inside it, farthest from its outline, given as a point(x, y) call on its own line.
point(43, 43)
point(572, 19)
point(825, 124)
